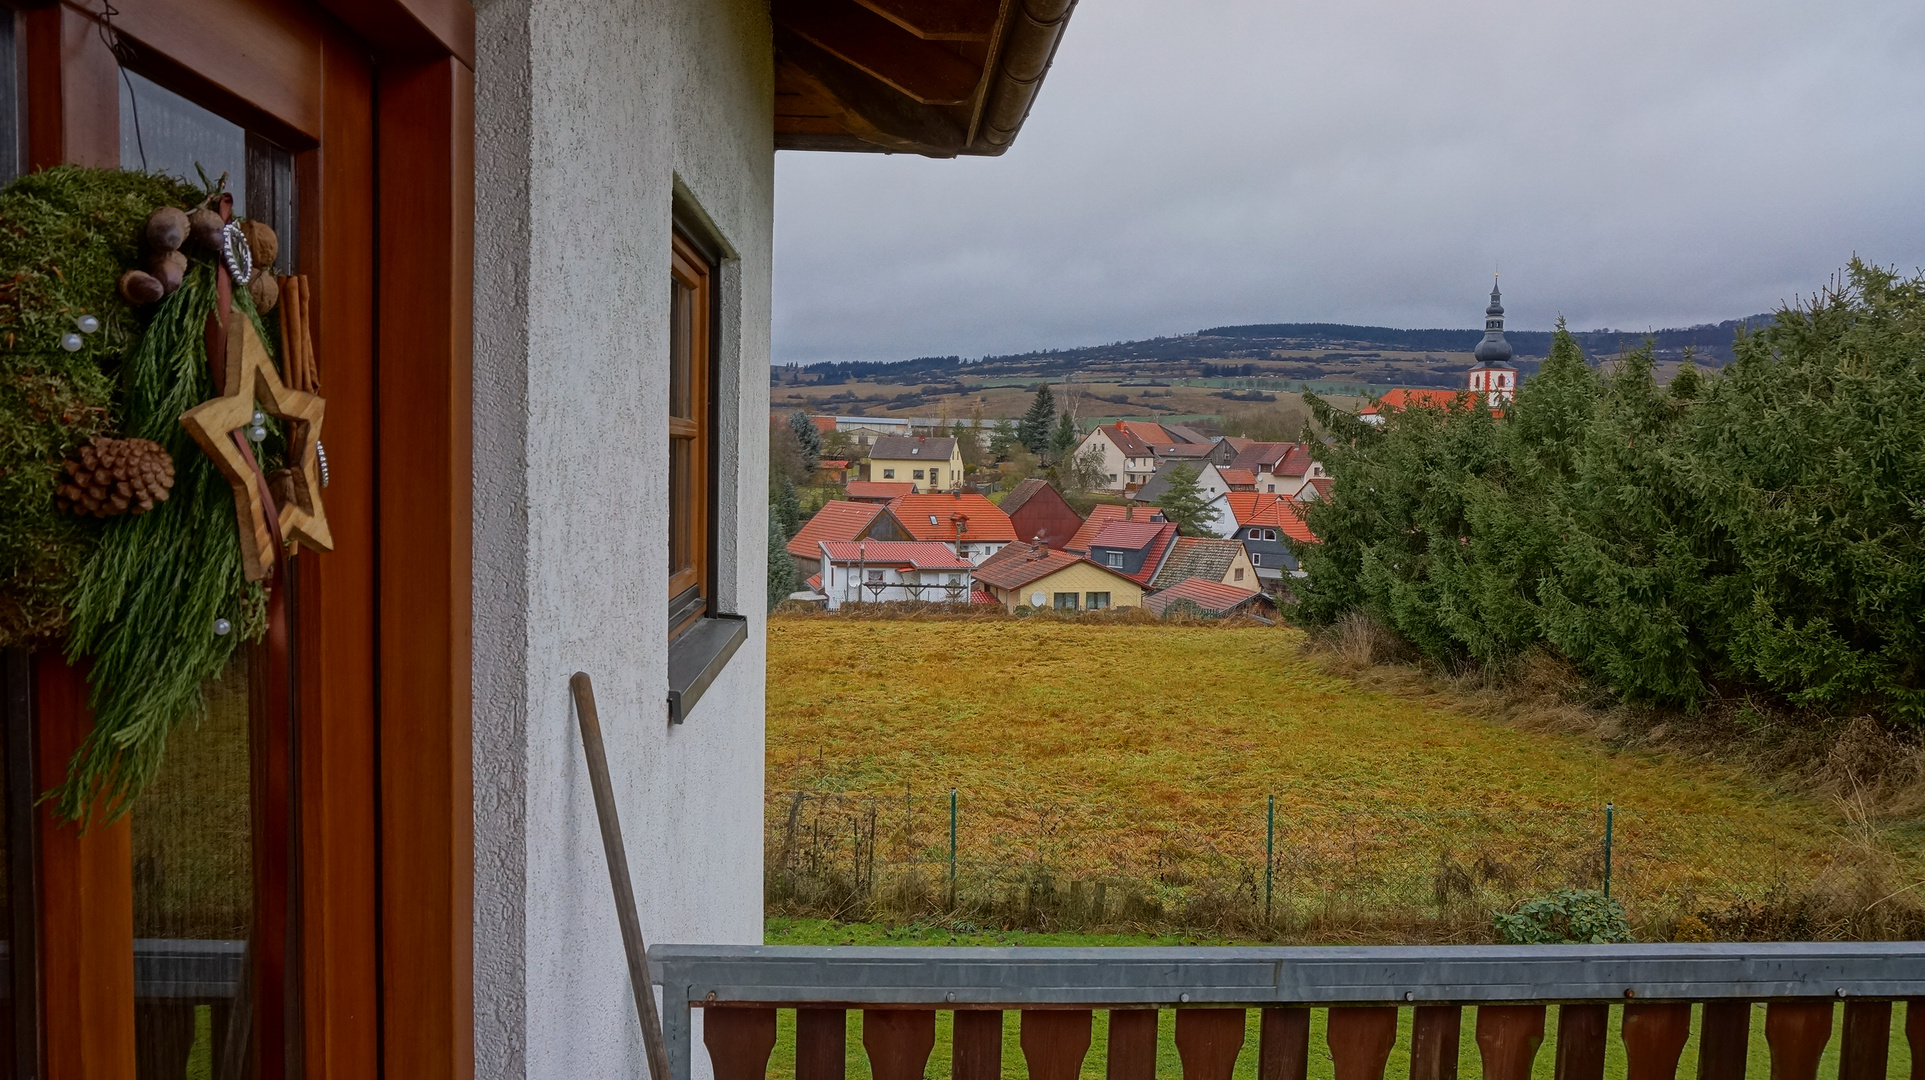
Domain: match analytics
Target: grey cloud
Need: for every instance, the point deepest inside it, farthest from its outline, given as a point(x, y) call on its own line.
point(1632, 164)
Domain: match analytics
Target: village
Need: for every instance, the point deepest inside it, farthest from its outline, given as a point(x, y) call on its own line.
point(1172, 519)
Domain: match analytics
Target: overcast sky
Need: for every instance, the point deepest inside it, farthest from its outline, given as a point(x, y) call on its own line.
point(1632, 164)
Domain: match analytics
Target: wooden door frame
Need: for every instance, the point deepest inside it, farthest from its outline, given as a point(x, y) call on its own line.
point(382, 682)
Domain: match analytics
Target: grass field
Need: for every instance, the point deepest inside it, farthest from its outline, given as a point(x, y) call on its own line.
point(1118, 775)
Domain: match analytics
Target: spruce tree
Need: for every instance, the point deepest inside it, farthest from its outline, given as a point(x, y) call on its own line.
point(781, 567)
point(1001, 437)
point(786, 510)
point(1184, 504)
point(1062, 441)
point(810, 438)
point(1035, 426)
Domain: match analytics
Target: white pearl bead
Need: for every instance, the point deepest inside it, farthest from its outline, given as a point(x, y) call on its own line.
point(257, 433)
point(222, 627)
point(71, 343)
point(87, 323)
point(259, 418)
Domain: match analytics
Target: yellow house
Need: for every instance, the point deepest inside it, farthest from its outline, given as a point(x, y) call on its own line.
point(929, 464)
point(1036, 575)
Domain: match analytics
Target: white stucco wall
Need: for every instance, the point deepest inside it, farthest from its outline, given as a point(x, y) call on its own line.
point(590, 115)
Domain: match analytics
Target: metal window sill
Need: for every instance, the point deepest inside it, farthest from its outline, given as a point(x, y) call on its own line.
point(696, 658)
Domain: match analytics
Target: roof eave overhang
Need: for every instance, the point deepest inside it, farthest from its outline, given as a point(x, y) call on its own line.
point(897, 76)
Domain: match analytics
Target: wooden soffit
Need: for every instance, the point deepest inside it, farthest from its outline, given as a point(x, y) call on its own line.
point(934, 77)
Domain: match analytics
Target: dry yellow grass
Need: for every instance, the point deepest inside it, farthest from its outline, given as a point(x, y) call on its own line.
point(1094, 753)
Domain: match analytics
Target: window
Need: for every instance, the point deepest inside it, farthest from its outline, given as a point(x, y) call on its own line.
point(1239, 573)
point(918, 475)
point(1272, 487)
point(888, 474)
point(1096, 601)
point(1269, 534)
point(875, 575)
point(1066, 601)
point(689, 506)
point(935, 475)
point(1256, 559)
point(1112, 478)
point(1113, 558)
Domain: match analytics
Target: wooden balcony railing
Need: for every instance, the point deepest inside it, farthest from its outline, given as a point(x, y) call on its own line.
point(1056, 991)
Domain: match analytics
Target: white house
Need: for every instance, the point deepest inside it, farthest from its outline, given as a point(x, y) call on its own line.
point(883, 571)
point(1128, 461)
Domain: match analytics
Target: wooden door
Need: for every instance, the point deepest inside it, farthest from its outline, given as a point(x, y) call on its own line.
point(227, 926)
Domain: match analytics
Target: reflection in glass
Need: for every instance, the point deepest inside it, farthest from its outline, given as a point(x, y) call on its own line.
point(193, 891)
point(173, 135)
point(681, 338)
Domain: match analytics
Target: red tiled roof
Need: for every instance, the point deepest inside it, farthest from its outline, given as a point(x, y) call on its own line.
point(815, 582)
point(832, 463)
point(1197, 557)
point(1146, 431)
point(1102, 514)
point(920, 554)
point(1296, 463)
point(1128, 535)
point(984, 523)
point(878, 489)
point(1019, 564)
point(1236, 477)
point(1212, 596)
point(1319, 485)
point(1270, 511)
point(1400, 397)
point(825, 424)
point(977, 596)
point(1126, 441)
point(837, 520)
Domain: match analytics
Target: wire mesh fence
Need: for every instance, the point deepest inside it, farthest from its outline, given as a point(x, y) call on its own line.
point(1318, 874)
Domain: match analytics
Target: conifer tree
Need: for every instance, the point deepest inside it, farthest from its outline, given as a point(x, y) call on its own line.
point(1184, 504)
point(1003, 436)
point(1035, 426)
point(810, 438)
point(786, 510)
point(1062, 441)
point(781, 567)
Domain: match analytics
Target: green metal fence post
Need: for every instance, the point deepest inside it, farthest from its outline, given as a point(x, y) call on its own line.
point(1610, 812)
point(1269, 855)
point(952, 849)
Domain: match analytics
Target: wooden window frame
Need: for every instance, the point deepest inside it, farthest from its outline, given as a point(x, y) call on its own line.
point(691, 586)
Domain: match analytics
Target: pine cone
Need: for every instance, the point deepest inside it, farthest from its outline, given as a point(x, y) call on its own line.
point(115, 476)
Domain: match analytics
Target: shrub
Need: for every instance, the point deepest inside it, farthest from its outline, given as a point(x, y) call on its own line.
point(1566, 917)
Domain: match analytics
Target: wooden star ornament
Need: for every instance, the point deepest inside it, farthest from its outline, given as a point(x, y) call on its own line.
point(215, 424)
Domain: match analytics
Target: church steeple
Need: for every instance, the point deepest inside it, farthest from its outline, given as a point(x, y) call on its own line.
point(1493, 349)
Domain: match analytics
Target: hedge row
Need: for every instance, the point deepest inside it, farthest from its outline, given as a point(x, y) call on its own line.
point(1759, 528)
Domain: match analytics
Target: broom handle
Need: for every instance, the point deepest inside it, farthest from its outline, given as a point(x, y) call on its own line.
point(617, 854)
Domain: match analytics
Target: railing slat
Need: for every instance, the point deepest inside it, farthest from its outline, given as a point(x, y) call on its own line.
point(1654, 1035)
point(1360, 1038)
point(1868, 1040)
point(898, 1041)
point(1797, 1032)
point(976, 1047)
point(1582, 1032)
point(821, 1044)
point(1207, 1040)
point(1915, 1035)
point(1283, 1044)
point(1507, 1039)
point(1055, 1042)
point(1724, 1040)
point(1434, 1032)
point(739, 1041)
point(1132, 1049)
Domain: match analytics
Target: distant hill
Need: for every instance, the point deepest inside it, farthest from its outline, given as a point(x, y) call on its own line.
point(1710, 341)
point(1378, 355)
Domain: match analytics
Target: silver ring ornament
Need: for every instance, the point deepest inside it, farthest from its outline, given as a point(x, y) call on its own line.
point(236, 254)
point(321, 459)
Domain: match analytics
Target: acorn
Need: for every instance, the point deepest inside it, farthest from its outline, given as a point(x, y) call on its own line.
point(139, 288)
point(204, 228)
point(168, 268)
point(265, 291)
point(262, 242)
point(166, 229)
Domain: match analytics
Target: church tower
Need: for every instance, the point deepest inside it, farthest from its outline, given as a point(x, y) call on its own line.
point(1493, 376)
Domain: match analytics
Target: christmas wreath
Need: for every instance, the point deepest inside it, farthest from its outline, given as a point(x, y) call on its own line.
point(116, 529)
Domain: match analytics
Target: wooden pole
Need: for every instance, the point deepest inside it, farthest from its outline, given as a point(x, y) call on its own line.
point(605, 812)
